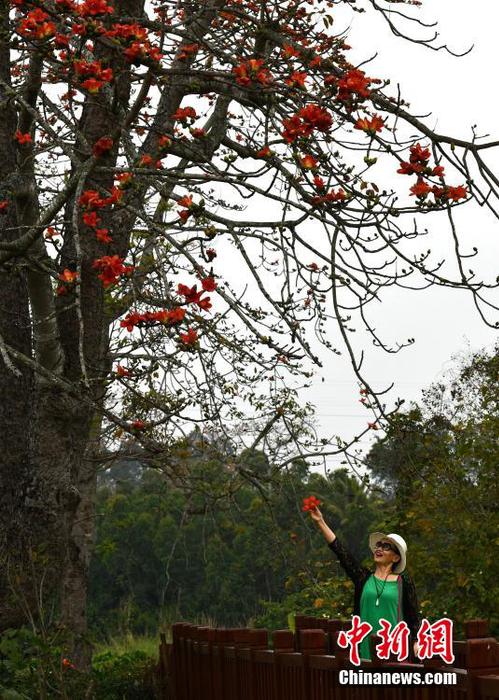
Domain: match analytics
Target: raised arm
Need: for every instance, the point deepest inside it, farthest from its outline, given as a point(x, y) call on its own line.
point(317, 516)
point(348, 562)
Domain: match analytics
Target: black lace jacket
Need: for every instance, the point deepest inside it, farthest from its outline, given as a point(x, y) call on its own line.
point(359, 575)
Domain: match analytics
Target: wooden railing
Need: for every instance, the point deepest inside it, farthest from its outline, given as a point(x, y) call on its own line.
point(205, 663)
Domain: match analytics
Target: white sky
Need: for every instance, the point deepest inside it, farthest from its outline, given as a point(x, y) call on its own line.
point(459, 92)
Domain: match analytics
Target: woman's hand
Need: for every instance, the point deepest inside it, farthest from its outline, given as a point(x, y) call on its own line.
point(316, 515)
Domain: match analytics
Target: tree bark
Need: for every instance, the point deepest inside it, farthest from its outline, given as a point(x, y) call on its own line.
point(81, 539)
point(15, 382)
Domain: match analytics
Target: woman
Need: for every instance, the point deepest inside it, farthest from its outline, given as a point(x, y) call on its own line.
point(387, 593)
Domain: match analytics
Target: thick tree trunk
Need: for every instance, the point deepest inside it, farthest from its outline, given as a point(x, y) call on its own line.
point(75, 577)
point(15, 381)
point(36, 552)
point(15, 412)
point(81, 538)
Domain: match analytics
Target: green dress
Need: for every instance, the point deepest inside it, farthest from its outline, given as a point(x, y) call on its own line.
point(369, 612)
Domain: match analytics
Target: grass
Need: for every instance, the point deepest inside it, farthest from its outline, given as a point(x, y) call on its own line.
point(128, 643)
point(147, 643)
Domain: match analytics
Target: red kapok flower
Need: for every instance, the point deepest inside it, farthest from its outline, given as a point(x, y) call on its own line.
point(370, 126)
point(184, 214)
point(289, 51)
point(68, 276)
point(198, 133)
point(211, 254)
point(185, 201)
point(264, 152)
point(308, 162)
point(410, 168)
point(127, 31)
point(187, 51)
point(184, 113)
point(91, 199)
point(419, 154)
point(205, 303)
point(124, 180)
point(148, 318)
point(91, 219)
point(112, 268)
point(61, 40)
point(176, 315)
point(354, 83)
point(209, 284)
point(332, 196)
point(296, 79)
point(102, 235)
point(456, 193)
point(252, 71)
point(421, 188)
point(310, 503)
point(136, 52)
point(164, 141)
point(92, 69)
point(293, 128)
point(23, 138)
point(92, 8)
point(122, 371)
point(131, 321)
point(189, 338)
point(315, 117)
point(92, 85)
point(191, 294)
point(102, 146)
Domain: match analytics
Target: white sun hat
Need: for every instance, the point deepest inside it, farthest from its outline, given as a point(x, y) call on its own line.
point(396, 540)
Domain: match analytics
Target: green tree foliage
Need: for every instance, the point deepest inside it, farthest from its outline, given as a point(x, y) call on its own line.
point(163, 555)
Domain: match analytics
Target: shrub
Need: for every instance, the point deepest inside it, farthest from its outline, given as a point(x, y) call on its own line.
point(32, 666)
point(127, 676)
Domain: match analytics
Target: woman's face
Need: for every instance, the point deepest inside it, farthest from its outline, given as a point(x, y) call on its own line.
point(383, 555)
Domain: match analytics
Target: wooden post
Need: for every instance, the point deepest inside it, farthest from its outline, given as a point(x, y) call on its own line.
point(165, 669)
point(312, 641)
point(291, 676)
point(283, 640)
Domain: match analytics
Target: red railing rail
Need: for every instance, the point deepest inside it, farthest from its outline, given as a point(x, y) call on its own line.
point(205, 663)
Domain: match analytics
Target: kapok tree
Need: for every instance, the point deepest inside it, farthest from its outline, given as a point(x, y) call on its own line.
point(188, 196)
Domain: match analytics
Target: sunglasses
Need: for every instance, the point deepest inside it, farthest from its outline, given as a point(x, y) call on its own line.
point(385, 546)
